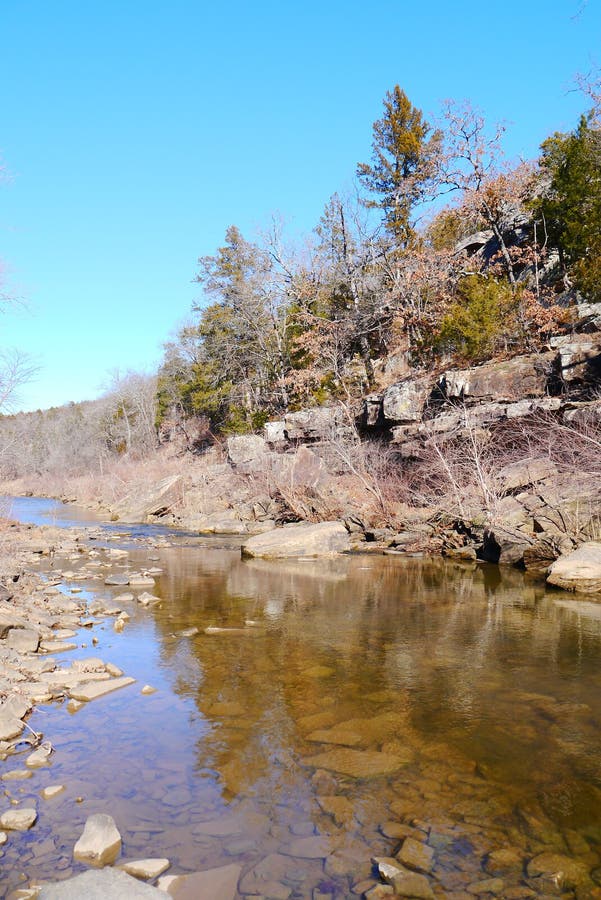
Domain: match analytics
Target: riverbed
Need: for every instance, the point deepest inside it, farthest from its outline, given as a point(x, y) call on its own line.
point(334, 708)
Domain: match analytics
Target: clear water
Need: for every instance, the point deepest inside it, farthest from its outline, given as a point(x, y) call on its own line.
point(482, 686)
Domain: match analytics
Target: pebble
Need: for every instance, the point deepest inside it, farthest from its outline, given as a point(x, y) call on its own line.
point(52, 791)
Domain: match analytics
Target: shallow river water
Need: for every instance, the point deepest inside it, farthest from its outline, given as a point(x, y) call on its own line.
point(372, 697)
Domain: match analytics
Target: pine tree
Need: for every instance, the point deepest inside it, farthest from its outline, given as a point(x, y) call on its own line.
point(572, 204)
point(403, 164)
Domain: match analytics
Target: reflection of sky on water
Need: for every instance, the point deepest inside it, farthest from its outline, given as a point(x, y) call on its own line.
point(477, 664)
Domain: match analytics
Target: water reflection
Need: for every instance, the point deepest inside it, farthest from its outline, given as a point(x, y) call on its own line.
point(477, 690)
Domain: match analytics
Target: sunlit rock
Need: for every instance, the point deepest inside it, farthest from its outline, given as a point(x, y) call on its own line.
point(145, 868)
point(100, 842)
point(579, 570)
point(18, 819)
point(321, 539)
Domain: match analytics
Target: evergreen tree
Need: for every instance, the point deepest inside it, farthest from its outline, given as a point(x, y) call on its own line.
point(571, 205)
point(403, 164)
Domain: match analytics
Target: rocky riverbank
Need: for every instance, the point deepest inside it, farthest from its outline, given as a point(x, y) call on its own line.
point(39, 621)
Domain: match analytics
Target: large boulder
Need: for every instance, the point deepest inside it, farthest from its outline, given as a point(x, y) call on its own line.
point(155, 500)
point(513, 379)
point(323, 423)
point(579, 570)
point(404, 401)
point(322, 539)
point(301, 470)
point(579, 357)
point(247, 452)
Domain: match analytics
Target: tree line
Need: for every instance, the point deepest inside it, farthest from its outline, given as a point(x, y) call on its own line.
point(441, 253)
point(390, 269)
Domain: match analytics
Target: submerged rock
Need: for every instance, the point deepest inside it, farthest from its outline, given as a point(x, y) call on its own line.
point(416, 855)
point(219, 883)
point(357, 763)
point(314, 847)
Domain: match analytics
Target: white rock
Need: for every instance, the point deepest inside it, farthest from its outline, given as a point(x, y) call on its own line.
point(100, 843)
point(53, 790)
point(18, 819)
point(146, 868)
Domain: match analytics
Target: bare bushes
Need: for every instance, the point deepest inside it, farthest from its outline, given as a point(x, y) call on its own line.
point(540, 472)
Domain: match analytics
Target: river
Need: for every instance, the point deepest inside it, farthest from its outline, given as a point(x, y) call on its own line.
point(475, 689)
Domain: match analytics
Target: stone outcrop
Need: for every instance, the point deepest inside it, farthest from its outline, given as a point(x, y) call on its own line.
point(506, 381)
point(405, 400)
point(322, 423)
point(247, 452)
point(307, 539)
point(561, 381)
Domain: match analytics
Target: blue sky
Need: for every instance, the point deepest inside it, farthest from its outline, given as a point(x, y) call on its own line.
point(136, 131)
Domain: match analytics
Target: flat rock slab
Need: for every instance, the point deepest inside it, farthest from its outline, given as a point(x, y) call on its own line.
point(10, 726)
point(17, 775)
point(219, 883)
point(120, 580)
point(101, 884)
point(24, 640)
point(356, 763)
point(91, 690)
point(56, 646)
point(579, 570)
point(321, 539)
point(145, 868)
point(100, 842)
point(18, 819)
point(136, 579)
point(336, 736)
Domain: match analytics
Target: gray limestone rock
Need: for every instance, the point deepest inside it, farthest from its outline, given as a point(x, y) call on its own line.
point(100, 884)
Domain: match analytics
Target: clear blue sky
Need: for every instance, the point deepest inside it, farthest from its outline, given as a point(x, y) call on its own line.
point(136, 131)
